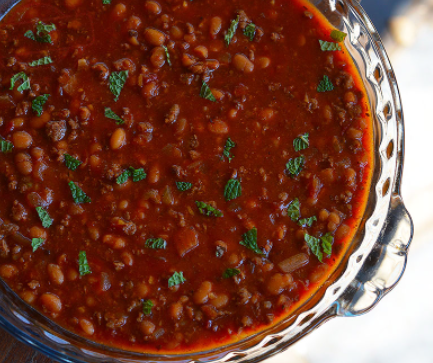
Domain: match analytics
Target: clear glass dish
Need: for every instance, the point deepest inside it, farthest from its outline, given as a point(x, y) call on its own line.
point(372, 267)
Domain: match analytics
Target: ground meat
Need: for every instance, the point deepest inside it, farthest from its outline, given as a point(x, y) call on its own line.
point(193, 142)
point(178, 171)
point(8, 229)
point(114, 321)
point(4, 248)
point(22, 108)
point(113, 171)
point(244, 296)
point(56, 130)
point(19, 213)
point(172, 114)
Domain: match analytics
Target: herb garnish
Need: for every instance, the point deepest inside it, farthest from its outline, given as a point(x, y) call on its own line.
point(77, 194)
point(183, 186)
point(136, 174)
point(317, 248)
point(208, 210)
point(72, 163)
point(232, 190)
point(41, 62)
point(106, 2)
point(36, 243)
point(231, 31)
point(25, 81)
point(167, 55)
point(83, 265)
point(6, 146)
point(113, 116)
point(117, 81)
point(338, 35)
point(249, 240)
point(325, 85)
point(156, 243)
point(229, 145)
point(42, 31)
point(301, 142)
point(38, 103)
point(250, 31)
point(293, 210)
point(294, 166)
point(329, 46)
point(147, 307)
point(307, 222)
point(176, 279)
point(206, 93)
point(44, 217)
point(230, 272)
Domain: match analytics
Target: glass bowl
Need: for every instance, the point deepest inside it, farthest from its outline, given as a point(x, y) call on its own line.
point(373, 265)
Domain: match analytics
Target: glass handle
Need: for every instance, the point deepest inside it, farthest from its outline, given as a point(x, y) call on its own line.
point(383, 267)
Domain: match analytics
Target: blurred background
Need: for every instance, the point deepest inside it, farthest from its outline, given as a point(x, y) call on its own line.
point(400, 328)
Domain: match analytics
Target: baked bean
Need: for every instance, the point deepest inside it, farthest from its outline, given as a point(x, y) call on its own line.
point(152, 7)
point(40, 121)
point(201, 51)
point(72, 274)
point(278, 282)
point(319, 272)
point(150, 90)
point(350, 176)
point(242, 63)
point(334, 218)
point(23, 163)
point(323, 215)
point(147, 327)
point(220, 301)
point(188, 60)
point(115, 241)
point(218, 127)
point(154, 37)
point(215, 26)
point(201, 295)
point(37, 232)
point(176, 310)
point(349, 97)
point(94, 161)
point(18, 122)
point(28, 296)
point(8, 271)
point(157, 57)
point(51, 302)
point(154, 174)
point(263, 62)
point(119, 11)
point(141, 290)
point(55, 274)
point(176, 32)
point(354, 133)
point(87, 326)
point(72, 4)
point(127, 259)
point(267, 114)
point(133, 22)
point(118, 139)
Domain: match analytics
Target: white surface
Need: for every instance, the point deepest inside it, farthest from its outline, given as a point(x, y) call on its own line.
point(400, 328)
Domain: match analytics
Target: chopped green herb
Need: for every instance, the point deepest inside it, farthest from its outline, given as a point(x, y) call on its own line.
point(137, 174)
point(83, 265)
point(327, 242)
point(228, 146)
point(314, 245)
point(293, 210)
point(167, 55)
point(77, 194)
point(147, 307)
point(231, 31)
point(123, 178)
point(42, 33)
point(29, 34)
point(117, 81)
point(44, 217)
point(301, 142)
point(232, 190)
point(329, 46)
point(338, 35)
point(72, 163)
point(249, 240)
point(176, 279)
point(36, 243)
point(230, 272)
point(183, 186)
point(106, 2)
point(156, 243)
point(206, 93)
point(294, 166)
point(38, 103)
point(6, 146)
point(307, 222)
point(25, 81)
point(250, 31)
point(325, 85)
point(41, 62)
point(208, 210)
point(111, 115)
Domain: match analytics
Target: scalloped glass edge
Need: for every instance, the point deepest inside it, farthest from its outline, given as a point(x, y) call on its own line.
point(379, 251)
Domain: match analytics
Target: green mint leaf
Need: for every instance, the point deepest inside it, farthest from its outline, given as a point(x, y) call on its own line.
point(6, 146)
point(327, 242)
point(228, 146)
point(147, 307)
point(25, 81)
point(249, 240)
point(77, 194)
point(183, 186)
point(208, 210)
point(29, 34)
point(307, 222)
point(83, 265)
point(111, 115)
point(36, 243)
point(44, 28)
point(137, 174)
point(314, 245)
point(41, 62)
point(44, 217)
point(231, 31)
point(106, 2)
point(72, 163)
point(338, 35)
point(230, 272)
point(123, 178)
point(117, 81)
point(325, 85)
point(156, 243)
point(250, 31)
point(167, 55)
point(301, 142)
point(176, 279)
point(38, 103)
point(294, 166)
point(206, 93)
point(232, 190)
point(329, 46)
point(293, 210)
point(42, 31)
